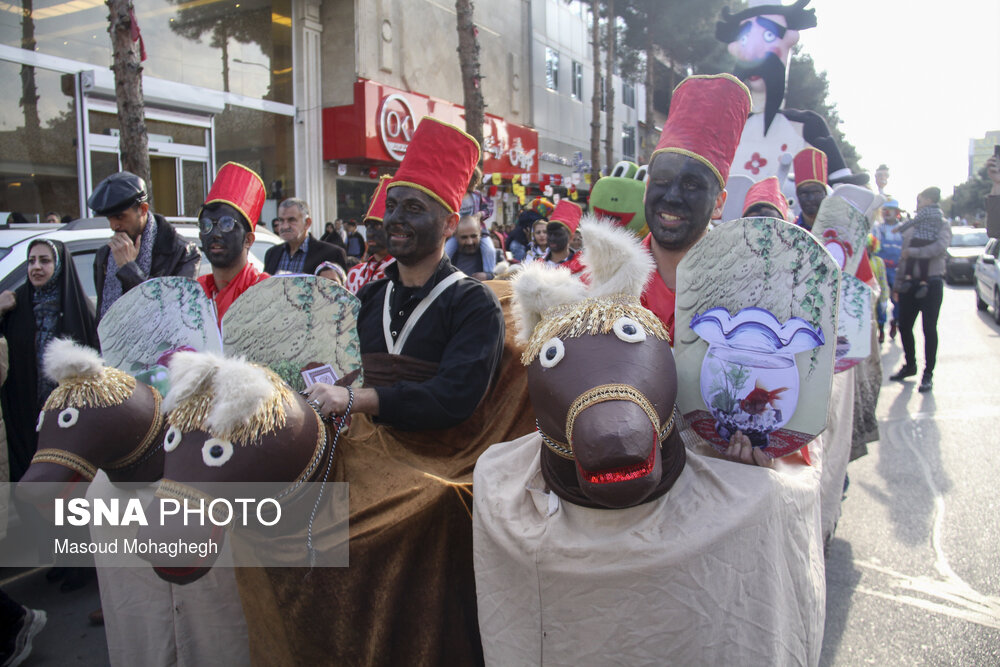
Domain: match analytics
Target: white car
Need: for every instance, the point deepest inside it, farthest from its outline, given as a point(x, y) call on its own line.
point(986, 278)
point(82, 238)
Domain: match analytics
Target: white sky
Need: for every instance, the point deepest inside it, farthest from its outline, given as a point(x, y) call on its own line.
point(913, 82)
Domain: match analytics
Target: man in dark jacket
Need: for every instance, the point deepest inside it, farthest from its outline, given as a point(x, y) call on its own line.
point(144, 246)
point(301, 252)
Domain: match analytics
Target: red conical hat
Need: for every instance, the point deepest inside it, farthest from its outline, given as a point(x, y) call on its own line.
point(706, 119)
point(810, 166)
point(376, 210)
point(568, 214)
point(767, 191)
point(241, 188)
point(439, 162)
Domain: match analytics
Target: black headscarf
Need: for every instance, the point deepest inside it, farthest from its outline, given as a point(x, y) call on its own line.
point(58, 309)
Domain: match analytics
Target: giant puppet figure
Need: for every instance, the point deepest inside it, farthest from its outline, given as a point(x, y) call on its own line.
point(761, 38)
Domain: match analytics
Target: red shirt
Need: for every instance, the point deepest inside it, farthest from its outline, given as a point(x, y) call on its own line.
point(659, 298)
point(244, 280)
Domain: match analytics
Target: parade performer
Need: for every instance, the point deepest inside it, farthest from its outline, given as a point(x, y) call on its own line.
point(810, 167)
point(563, 223)
point(226, 227)
point(687, 177)
point(765, 199)
point(761, 38)
point(442, 383)
point(379, 258)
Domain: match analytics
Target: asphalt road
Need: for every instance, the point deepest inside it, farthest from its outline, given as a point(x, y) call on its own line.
point(912, 577)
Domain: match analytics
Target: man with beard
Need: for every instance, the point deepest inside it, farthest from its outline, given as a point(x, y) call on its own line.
point(562, 225)
point(144, 246)
point(810, 184)
point(761, 38)
point(470, 254)
point(425, 320)
point(225, 225)
point(687, 176)
point(373, 268)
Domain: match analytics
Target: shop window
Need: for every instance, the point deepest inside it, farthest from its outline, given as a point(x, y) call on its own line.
point(551, 69)
point(38, 165)
point(243, 47)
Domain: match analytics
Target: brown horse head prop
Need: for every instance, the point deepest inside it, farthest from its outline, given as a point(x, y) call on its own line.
point(97, 417)
point(601, 375)
point(230, 421)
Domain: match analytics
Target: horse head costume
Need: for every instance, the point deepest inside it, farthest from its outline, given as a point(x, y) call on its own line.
point(601, 375)
point(97, 417)
point(230, 420)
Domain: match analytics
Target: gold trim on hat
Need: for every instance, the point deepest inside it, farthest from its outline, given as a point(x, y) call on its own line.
point(425, 190)
point(252, 223)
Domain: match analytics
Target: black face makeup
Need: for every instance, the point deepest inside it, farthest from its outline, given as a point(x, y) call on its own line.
point(558, 236)
point(223, 249)
point(810, 195)
point(680, 199)
point(414, 223)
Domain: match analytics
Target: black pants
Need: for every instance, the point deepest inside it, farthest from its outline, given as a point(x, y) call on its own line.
point(929, 308)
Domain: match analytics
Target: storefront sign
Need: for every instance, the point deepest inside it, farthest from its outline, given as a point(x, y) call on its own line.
point(378, 127)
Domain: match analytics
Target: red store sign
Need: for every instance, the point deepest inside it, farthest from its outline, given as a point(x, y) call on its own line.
point(379, 125)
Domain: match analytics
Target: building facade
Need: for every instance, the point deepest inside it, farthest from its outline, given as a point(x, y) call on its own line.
point(318, 96)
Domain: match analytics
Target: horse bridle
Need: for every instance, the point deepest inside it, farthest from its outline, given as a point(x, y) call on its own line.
point(601, 394)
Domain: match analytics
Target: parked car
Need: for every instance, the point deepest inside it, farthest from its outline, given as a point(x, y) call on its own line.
point(82, 238)
point(966, 245)
point(986, 280)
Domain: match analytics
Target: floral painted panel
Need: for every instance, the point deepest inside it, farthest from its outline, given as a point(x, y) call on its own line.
point(762, 295)
point(295, 324)
point(854, 323)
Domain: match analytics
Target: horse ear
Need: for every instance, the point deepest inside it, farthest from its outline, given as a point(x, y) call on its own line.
point(190, 372)
point(65, 359)
point(615, 261)
point(241, 390)
point(538, 288)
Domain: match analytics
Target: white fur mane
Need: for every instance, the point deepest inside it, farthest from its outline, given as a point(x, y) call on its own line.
point(66, 359)
point(538, 288)
point(190, 372)
point(241, 389)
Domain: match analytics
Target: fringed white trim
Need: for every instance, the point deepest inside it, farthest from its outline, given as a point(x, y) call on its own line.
point(65, 359)
point(190, 373)
point(241, 389)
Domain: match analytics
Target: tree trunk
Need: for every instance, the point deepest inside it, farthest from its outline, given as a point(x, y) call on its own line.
point(468, 59)
point(133, 144)
point(650, 137)
point(609, 88)
point(595, 100)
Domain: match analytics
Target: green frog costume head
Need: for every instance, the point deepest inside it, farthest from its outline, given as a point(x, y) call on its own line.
point(619, 197)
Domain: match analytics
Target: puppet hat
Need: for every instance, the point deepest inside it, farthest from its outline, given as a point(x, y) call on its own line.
point(707, 115)
point(567, 213)
point(439, 162)
point(767, 191)
point(376, 210)
point(810, 167)
point(241, 188)
point(541, 206)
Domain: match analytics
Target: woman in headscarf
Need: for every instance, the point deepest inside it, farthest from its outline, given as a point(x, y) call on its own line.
point(51, 304)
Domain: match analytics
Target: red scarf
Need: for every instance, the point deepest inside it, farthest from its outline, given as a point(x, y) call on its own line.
point(659, 298)
point(241, 282)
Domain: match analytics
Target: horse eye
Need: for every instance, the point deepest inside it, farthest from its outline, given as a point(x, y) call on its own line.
point(216, 453)
point(68, 417)
point(552, 353)
point(172, 439)
point(629, 330)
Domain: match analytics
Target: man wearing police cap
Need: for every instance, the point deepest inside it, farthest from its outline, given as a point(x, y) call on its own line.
point(144, 245)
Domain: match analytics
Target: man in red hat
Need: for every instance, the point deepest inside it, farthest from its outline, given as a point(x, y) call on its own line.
point(810, 184)
point(373, 268)
point(225, 225)
point(765, 199)
point(425, 320)
point(687, 177)
point(563, 223)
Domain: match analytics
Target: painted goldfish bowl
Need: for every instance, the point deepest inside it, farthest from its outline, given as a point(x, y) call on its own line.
point(749, 378)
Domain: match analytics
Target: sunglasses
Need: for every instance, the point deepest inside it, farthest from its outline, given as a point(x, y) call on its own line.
point(226, 224)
